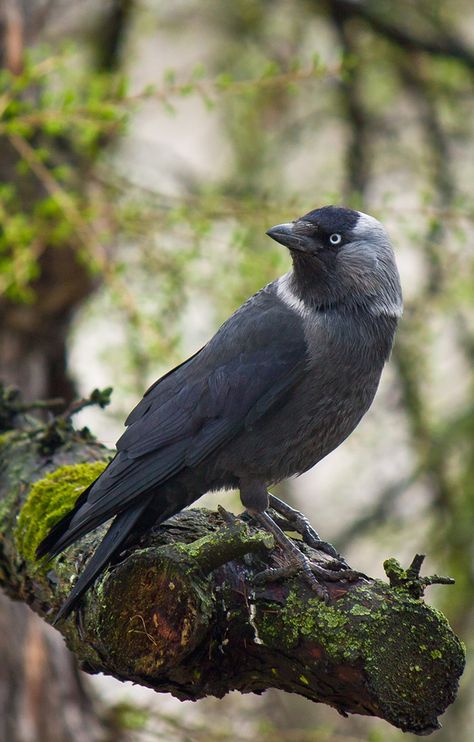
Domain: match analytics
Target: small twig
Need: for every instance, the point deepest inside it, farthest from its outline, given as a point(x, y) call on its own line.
point(100, 397)
point(10, 399)
point(437, 580)
point(11, 405)
point(410, 579)
point(54, 433)
point(442, 45)
point(59, 430)
point(86, 232)
point(413, 570)
point(40, 404)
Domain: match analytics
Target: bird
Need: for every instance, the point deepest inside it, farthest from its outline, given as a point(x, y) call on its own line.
point(282, 383)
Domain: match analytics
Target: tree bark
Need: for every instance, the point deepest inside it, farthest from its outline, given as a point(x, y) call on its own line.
point(181, 611)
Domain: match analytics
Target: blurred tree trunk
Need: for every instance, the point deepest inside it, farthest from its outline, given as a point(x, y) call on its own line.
point(43, 696)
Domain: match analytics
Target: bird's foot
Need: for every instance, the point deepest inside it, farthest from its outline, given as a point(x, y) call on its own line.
point(312, 573)
point(332, 570)
point(304, 566)
point(293, 520)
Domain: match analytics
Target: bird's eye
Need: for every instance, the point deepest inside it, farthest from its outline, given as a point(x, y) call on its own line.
point(335, 239)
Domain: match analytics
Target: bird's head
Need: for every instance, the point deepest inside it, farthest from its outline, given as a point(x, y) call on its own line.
point(341, 256)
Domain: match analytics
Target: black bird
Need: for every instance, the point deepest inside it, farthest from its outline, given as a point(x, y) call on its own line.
point(281, 384)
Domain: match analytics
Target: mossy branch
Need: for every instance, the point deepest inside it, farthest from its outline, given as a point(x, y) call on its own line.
point(180, 612)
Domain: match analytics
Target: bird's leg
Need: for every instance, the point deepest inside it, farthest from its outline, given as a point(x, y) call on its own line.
point(256, 499)
point(300, 523)
point(298, 562)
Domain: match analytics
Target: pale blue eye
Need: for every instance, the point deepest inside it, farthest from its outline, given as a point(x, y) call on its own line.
point(335, 239)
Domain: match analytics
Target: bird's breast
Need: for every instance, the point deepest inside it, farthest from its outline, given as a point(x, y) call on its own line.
point(345, 363)
point(316, 416)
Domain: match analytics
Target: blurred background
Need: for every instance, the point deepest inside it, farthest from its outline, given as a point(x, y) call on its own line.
point(145, 147)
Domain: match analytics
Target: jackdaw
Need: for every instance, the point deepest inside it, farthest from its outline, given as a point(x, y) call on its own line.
point(281, 384)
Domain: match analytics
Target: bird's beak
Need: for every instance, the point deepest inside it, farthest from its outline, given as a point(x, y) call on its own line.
point(286, 235)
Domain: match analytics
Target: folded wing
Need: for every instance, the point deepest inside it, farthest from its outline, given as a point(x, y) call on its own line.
point(195, 410)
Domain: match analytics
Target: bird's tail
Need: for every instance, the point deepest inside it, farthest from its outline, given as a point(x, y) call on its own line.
point(113, 539)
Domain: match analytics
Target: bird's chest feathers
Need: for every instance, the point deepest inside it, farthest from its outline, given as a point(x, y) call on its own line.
point(351, 344)
point(346, 363)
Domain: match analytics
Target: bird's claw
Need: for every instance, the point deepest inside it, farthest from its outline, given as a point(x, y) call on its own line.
point(334, 569)
point(293, 520)
point(273, 574)
point(331, 575)
point(326, 548)
point(310, 571)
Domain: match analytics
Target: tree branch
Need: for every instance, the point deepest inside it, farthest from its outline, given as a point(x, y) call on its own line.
point(180, 611)
point(441, 45)
point(358, 163)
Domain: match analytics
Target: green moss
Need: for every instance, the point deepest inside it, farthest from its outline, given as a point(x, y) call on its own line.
point(223, 545)
point(49, 500)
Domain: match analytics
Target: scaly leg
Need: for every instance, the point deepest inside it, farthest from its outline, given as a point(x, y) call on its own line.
point(256, 499)
point(300, 523)
point(298, 562)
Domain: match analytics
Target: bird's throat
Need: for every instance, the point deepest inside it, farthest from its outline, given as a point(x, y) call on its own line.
point(312, 281)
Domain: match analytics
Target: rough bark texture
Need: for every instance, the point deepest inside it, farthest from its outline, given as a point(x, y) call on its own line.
point(180, 611)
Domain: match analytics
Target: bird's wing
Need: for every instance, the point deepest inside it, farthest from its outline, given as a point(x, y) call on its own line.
point(250, 364)
point(170, 381)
